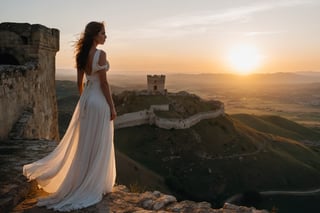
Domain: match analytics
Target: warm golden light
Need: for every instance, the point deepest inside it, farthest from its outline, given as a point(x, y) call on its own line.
point(244, 59)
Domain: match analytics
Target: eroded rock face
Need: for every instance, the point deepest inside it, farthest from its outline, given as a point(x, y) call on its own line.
point(121, 200)
point(27, 81)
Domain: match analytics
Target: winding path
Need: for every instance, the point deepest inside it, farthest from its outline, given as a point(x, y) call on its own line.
point(238, 197)
point(260, 148)
point(307, 192)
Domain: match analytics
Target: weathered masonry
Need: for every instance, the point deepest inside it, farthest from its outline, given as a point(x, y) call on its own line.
point(28, 106)
point(156, 84)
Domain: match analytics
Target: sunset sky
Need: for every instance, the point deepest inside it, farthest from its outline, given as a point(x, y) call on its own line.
point(185, 36)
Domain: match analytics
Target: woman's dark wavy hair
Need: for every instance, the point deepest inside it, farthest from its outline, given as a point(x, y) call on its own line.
point(85, 42)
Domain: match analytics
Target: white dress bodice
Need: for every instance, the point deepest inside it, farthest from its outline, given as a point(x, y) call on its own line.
point(94, 77)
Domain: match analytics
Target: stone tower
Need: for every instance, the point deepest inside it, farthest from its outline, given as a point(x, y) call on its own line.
point(28, 106)
point(156, 84)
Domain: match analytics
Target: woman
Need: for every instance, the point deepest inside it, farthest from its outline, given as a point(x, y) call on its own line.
point(82, 167)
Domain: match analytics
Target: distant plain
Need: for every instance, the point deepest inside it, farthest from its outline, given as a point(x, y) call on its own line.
point(294, 96)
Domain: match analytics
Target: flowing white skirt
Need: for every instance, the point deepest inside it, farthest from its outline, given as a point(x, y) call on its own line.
point(82, 167)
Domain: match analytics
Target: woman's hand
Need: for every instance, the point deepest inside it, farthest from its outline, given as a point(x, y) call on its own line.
point(113, 114)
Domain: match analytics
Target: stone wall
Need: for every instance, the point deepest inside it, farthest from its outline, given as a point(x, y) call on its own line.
point(132, 119)
point(188, 122)
point(149, 117)
point(27, 81)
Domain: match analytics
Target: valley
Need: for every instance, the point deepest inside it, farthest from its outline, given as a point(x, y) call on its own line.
point(254, 147)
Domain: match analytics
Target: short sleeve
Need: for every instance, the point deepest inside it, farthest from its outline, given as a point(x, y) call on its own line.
point(101, 67)
point(96, 65)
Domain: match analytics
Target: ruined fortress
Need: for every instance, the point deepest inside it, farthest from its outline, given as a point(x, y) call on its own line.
point(156, 86)
point(28, 106)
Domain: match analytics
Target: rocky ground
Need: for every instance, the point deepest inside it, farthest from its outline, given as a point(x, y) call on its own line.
point(19, 196)
point(121, 200)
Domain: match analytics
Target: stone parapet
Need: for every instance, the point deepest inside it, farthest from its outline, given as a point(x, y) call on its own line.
point(27, 80)
point(149, 117)
point(188, 122)
point(132, 119)
point(25, 41)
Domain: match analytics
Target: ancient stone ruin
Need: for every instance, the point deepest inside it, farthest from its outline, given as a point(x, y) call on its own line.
point(28, 106)
point(156, 84)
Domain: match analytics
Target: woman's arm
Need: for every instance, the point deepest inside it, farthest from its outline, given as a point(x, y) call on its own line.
point(107, 93)
point(105, 86)
point(80, 75)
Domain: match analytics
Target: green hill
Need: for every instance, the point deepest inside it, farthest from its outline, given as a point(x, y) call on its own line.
point(66, 89)
point(220, 157)
point(278, 126)
point(66, 106)
point(136, 176)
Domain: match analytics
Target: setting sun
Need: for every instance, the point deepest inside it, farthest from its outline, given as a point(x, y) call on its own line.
point(244, 59)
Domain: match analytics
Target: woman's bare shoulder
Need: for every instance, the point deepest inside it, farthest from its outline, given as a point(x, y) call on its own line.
point(103, 53)
point(102, 57)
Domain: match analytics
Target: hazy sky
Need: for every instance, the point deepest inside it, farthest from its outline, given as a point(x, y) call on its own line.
point(162, 36)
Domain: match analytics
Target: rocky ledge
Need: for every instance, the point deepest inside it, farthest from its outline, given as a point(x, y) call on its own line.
point(123, 201)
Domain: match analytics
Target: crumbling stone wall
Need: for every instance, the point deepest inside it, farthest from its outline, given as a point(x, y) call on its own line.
point(28, 106)
point(148, 116)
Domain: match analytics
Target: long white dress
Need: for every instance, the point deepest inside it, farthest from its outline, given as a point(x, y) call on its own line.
point(82, 167)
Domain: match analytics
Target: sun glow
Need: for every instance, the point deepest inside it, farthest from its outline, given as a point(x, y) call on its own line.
point(244, 59)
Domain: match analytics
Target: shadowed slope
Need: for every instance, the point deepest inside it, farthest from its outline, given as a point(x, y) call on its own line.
point(221, 157)
point(278, 126)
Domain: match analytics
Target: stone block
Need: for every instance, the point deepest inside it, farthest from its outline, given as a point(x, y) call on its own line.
point(30, 83)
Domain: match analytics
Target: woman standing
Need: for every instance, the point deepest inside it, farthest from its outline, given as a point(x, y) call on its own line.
point(82, 167)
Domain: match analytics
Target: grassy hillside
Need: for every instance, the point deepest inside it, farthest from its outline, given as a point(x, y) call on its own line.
point(66, 106)
point(221, 157)
point(67, 98)
point(278, 126)
point(136, 176)
point(66, 89)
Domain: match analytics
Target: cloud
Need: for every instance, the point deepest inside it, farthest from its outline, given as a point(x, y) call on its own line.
point(203, 21)
point(262, 33)
point(229, 15)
